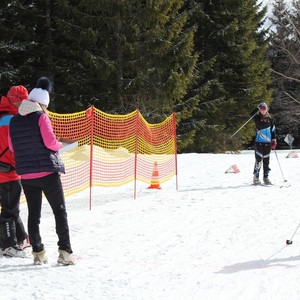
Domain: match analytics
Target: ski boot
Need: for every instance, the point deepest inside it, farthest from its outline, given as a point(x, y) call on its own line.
point(256, 180)
point(267, 181)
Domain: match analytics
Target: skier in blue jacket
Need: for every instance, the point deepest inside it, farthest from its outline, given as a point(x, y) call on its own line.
point(265, 140)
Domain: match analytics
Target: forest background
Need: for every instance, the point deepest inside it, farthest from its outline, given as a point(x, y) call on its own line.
point(210, 61)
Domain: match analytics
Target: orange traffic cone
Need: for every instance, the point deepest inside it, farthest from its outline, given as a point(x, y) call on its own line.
point(155, 179)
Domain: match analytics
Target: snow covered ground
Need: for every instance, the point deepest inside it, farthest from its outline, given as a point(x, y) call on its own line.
point(217, 237)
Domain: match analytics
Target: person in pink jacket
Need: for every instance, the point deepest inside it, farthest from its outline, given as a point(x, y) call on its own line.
point(39, 165)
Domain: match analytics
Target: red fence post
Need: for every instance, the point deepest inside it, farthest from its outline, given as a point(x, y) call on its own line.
point(175, 148)
point(91, 153)
point(136, 149)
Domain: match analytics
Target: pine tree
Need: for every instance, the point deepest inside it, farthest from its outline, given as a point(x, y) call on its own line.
point(79, 70)
point(118, 55)
point(13, 42)
point(121, 55)
point(198, 89)
point(153, 57)
point(284, 55)
point(26, 52)
point(234, 51)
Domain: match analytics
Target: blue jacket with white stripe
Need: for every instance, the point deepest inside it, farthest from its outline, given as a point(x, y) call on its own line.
point(265, 128)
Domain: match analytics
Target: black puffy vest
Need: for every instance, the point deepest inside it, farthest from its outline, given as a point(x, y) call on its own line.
point(31, 154)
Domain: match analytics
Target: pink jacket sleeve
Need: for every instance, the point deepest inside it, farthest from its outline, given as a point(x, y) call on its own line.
point(47, 133)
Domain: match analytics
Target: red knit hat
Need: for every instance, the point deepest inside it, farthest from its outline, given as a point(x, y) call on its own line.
point(17, 93)
point(263, 106)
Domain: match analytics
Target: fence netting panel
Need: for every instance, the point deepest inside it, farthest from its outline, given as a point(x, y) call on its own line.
point(114, 149)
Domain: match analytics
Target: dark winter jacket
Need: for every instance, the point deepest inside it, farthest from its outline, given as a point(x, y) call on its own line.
point(265, 127)
point(31, 154)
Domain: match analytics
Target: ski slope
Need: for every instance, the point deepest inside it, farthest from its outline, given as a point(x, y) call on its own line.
point(218, 237)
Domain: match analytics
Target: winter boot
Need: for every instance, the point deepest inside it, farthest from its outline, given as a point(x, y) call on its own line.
point(267, 181)
point(256, 180)
point(65, 258)
point(14, 252)
point(40, 258)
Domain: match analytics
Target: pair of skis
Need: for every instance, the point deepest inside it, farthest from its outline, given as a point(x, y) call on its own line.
point(285, 184)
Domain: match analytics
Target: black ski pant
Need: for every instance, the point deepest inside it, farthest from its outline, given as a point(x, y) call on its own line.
point(262, 157)
point(52, 188)
point(10, 193)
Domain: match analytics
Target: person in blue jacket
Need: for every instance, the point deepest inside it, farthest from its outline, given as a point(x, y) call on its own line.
point(265, 140)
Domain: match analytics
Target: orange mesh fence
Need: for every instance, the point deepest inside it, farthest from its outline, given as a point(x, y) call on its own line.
point(115, 149)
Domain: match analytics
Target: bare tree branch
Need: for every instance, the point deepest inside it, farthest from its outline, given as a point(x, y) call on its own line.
point(293, 24)
point(290, 54)
point(285, 76)
point(292, 97)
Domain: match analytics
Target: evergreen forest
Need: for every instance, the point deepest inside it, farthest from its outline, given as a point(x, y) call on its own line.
point(210, 61)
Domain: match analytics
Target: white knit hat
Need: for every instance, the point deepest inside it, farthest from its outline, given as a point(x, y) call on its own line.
point(40, 93)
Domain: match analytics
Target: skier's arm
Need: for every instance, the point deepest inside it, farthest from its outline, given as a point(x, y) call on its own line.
point(273, 131)
point(254, 111)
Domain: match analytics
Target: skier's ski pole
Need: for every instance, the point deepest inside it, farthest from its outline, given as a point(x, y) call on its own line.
point(243, 125)
point(290, 241)
point(279, 166)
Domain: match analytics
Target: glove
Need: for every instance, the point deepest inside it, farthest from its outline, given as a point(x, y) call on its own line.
point(254, 112)
point(273, 144)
